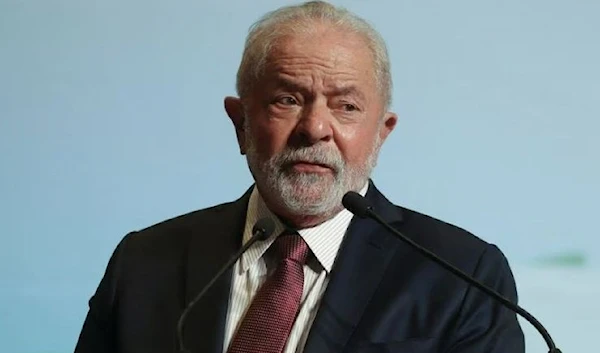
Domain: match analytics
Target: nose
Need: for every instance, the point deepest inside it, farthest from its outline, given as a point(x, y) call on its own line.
point(314, 125)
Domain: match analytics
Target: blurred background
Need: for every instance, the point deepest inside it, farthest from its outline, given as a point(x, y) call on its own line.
point(111, 120)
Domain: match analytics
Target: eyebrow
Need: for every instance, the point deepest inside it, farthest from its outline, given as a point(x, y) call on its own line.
point(349, 90)
point(289, 85)
point(343, 90)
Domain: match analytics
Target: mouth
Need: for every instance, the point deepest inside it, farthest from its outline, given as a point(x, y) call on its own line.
point(310, 167)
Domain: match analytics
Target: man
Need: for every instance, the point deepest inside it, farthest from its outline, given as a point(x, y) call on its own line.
point(314, 91)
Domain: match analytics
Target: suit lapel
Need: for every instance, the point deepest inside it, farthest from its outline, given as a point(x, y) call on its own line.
point(362, 260)
point(210, 247)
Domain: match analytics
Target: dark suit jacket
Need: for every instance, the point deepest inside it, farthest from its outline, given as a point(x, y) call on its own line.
point(382, 295)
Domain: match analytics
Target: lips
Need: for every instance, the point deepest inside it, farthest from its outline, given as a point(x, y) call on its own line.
point(310, 167)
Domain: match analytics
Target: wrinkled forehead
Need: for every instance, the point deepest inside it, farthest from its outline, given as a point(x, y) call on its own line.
point(329, 55)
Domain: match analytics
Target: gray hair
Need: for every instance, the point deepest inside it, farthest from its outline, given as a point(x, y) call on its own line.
point(294, 19)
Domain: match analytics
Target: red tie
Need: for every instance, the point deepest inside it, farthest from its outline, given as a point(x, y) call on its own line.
point(269, 320)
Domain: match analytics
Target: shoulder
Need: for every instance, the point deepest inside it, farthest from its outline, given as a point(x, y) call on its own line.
point(178, 231)
point(181, 225)
point(451, 242)
point(169, 240)
point(439, 232)
point(162, 249)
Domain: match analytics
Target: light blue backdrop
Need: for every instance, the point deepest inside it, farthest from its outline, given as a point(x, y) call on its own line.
point(111, 120)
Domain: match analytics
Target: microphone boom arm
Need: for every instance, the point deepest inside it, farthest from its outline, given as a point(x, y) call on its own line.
point(514, 307)
point(262, 229)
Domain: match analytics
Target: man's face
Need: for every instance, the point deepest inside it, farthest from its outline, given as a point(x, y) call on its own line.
point(314, 123)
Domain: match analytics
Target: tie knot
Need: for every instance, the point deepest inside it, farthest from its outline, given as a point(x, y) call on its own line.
point(291, 246)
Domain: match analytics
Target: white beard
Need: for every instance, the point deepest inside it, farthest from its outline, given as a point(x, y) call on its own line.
point(308, 194)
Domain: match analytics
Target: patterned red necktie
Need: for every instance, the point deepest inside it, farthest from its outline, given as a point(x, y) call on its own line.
point(269, 320)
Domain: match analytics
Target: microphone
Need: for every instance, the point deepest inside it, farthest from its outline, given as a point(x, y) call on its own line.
point(262, 229)
point(360, 207)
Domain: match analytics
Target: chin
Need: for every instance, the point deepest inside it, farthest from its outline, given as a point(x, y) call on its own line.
point(317, 210)
point(314, 192)
point(312, 200)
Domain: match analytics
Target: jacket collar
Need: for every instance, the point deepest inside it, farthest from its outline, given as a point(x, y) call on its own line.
point(360, 265)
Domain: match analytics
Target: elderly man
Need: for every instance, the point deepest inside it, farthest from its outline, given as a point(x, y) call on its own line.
point(314, 91)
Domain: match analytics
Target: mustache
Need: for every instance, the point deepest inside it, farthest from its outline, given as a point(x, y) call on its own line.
point(316, 155)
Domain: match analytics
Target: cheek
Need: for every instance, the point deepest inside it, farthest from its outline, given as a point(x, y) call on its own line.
point(355, 144)
point(270, 137)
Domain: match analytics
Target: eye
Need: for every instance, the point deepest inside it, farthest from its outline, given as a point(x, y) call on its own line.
point(287, 100)
point(349, 107)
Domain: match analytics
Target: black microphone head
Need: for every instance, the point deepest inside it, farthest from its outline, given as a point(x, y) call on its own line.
point(356, 204)
point(263, 228)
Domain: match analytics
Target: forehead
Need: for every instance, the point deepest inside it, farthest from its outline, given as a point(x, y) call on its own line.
point(322, 54)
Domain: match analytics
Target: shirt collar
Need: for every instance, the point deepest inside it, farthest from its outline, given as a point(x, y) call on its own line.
point(324, 240)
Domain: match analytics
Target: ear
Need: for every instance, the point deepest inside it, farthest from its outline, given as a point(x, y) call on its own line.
point(387, 125)
point(235, 110)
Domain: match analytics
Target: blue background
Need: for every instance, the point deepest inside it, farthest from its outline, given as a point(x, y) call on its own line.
point(111, 120)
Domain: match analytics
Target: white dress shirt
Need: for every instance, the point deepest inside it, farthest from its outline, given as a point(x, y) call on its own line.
point(252, 269)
